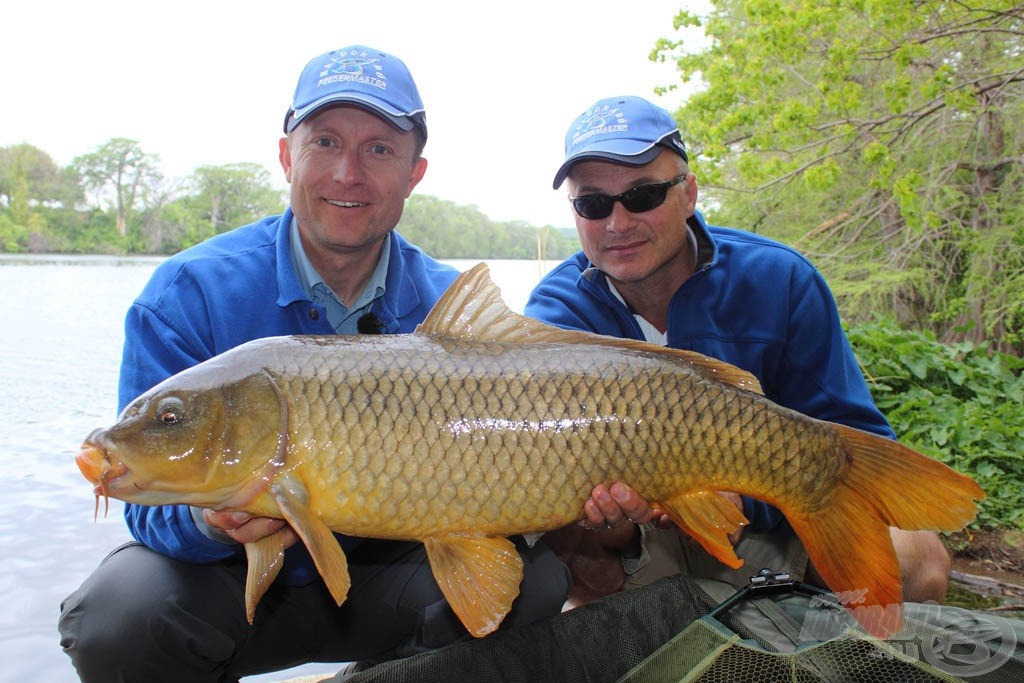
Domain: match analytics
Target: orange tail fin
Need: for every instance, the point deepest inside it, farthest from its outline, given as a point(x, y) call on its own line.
point(887, 484)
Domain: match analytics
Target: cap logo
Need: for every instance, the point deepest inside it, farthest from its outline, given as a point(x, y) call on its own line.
point(354, 66)
point(599, 121)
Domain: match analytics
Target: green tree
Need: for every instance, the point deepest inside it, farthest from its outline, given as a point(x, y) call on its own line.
point(884, 138)
point(447, 230)
point(121, 171)
point(28, 169)
point(234, 194)
point(213, 199)
point(32, 187)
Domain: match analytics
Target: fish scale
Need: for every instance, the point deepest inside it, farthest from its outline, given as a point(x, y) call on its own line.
point(547, 422)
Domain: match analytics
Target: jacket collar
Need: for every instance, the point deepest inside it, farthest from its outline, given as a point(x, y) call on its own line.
point(401, 296)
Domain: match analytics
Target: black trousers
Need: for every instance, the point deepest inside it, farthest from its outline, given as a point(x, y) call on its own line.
point(144, 617)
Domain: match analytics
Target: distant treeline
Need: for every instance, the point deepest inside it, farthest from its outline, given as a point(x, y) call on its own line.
point(447, 230)
point(115, 200)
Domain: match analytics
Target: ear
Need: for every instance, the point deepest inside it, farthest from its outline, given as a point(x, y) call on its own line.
point(418, 170)
point(284, 155)
point(690, 187)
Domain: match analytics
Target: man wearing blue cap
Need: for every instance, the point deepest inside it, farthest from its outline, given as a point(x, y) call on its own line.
point(652, 269)
point(170, 606)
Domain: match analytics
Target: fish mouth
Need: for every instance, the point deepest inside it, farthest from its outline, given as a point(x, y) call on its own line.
point(94, 464)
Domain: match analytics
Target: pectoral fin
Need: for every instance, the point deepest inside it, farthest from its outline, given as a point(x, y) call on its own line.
point(320, 541)
point(709, 518)
point(265, 558)
point(479, 577)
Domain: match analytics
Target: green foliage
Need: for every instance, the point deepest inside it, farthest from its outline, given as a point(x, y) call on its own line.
point(446, 230)
point(882, 137)
point(29, 173)
point(13, 236)
point(959, 403)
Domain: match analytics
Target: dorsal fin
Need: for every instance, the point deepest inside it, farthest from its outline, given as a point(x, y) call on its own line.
point(472, 309)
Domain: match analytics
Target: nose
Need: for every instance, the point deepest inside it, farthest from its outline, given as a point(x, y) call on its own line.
point(348, 168)
point(620, 219)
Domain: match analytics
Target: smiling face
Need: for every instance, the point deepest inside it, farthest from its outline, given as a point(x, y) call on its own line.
point(634, 247)
point(350, 174)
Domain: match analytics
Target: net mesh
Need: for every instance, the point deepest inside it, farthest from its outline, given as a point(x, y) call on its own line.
point(706, 654)
point(787, 638)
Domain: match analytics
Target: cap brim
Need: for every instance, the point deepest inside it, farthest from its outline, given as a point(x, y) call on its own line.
point(400, 121)
point(628, 152)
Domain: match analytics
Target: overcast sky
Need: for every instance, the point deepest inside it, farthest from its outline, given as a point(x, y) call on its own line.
point(208, 82)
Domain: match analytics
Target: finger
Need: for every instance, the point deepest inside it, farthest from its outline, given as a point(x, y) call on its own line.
point(592, 515)
point(225, 520)
point(600, 510)
point(610, 510)
point(631, 504)
point(256, 528)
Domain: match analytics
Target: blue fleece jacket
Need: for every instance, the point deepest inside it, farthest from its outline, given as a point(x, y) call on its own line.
point(752, 302)
point(231, 289)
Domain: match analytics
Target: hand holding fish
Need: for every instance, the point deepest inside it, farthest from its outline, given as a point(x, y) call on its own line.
point(608, 507)
point(246, 528)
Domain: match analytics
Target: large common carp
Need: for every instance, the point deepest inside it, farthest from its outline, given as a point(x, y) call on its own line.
point(483, 424)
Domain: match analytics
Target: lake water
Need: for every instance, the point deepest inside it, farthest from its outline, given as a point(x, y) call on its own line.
point(61, 325)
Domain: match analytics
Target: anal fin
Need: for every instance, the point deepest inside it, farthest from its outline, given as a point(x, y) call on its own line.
point(479, 576)
point(709, 518)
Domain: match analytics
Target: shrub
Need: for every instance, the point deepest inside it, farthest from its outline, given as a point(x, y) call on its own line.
point(958, 403)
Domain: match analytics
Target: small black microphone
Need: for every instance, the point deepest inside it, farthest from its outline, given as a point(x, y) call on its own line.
point(369, 324)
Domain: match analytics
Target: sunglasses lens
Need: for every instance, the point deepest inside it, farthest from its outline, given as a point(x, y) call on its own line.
point(637, 200)
point(593, 206)
point(644, 198)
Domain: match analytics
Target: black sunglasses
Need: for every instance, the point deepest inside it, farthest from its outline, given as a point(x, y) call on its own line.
point(636, 200)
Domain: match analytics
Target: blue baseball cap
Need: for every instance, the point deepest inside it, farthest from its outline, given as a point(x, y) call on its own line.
point(363, 76)
point(626, 130)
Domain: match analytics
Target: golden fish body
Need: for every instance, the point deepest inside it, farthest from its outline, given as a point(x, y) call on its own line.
point(485, 424)
point(411, 436)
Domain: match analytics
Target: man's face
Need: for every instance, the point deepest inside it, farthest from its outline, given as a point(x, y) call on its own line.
point(630, 247)
point(350, 174)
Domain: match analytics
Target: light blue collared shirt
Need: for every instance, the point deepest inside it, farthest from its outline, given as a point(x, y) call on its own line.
point(342, 318)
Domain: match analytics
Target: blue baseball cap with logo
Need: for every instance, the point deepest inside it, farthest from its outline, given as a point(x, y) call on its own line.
point(626, 130)
point(362, 76)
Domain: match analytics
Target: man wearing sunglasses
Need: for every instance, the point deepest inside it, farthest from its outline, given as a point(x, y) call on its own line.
point(652, 269)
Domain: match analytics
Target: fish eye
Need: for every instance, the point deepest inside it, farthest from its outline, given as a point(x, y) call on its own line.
point(170, 410)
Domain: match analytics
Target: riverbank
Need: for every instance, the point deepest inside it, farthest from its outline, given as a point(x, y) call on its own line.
point(988, 571)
